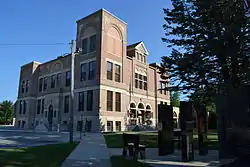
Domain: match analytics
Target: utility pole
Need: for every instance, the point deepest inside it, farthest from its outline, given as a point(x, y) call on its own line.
point(71, 119)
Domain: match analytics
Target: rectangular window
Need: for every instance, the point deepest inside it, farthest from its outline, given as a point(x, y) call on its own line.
point(117, 73)
point(24, 106)
point(66, 104)
point(68, 78)
point(92, 66)
point(165, 88)
point(21, 107)
point(117, 101)
point(81, 101)
point(38, 106)
point(118, 126)
point(84, 45)
point(136, 80)
point(40, 84)
point(42, 110)
point(110, 126)
point(23, 86)
point(53, 81)
point(145, 83)
point(45, 83)
point(58, 79)
point(92, 43)
point(27, 85)
point(89, 100)
point(109, 70)
point(109, 100)
point(83, 72)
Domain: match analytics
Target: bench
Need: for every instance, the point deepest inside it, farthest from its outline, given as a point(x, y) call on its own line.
point(131, 143)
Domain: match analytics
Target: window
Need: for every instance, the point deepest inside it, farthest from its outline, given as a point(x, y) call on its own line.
point(141, 81)
point(92, 43)
point(92, 70)
point(141, 57)
point(118, 126)
point(145, 83)
point(53, 81)
point(23, 84)
point(110, 126)
point(117, 73)
point(109, 70)
point(136, 80)
point(45, 83)
point(40, 84)
point(59, 78)
point(84, 45)
point(117, 101)
point(27, 85)
point(24, 106)
point(81, 101)
point(42, 106)
point(66, 104)
point(89, 100)
point(109, 100)
point(21, 107)
point(68, 77)
point(38, 106)
point(54, 113)
point(163, 88)
point(83, 72)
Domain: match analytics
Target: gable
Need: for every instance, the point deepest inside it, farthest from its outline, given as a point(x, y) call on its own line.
point(141, 47)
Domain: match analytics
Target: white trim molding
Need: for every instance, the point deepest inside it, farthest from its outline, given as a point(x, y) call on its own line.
point(26, 98)
point(114, 62)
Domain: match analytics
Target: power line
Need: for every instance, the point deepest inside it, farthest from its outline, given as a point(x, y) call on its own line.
point(32, 44)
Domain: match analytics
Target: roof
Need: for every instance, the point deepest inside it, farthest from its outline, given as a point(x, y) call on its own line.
point(134, 45)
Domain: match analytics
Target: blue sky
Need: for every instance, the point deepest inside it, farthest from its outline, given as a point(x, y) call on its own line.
point(53, 21)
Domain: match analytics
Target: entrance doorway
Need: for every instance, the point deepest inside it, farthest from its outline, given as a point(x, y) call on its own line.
point(50, 117)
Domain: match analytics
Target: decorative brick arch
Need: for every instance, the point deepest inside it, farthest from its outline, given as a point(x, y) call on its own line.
point(117, 28)
point(83, 29)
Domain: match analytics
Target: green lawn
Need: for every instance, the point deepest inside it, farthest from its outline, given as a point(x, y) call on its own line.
point(40, 156)
point(150, 139)
point(119, 161)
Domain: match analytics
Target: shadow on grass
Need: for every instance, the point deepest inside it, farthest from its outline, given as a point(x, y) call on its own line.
point(40, 156)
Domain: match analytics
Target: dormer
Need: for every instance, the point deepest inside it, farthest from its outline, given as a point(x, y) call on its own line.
point(138, 52)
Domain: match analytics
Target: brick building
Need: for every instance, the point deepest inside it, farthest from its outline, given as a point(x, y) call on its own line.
point(115, 87)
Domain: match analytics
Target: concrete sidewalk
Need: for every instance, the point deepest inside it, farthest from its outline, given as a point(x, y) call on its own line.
point(91, 151)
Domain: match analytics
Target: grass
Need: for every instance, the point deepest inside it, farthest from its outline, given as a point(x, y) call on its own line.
point(40, 156)
point(150, 139)
point(119, 161)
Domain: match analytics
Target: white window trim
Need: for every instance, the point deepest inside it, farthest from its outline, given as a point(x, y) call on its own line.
point(114, 62)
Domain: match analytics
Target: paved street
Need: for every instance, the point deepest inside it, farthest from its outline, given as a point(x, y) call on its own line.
point(10, 137)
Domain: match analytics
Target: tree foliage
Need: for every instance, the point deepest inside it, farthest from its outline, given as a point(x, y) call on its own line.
point(210, 45)
point(175, 99)
point(6, 111)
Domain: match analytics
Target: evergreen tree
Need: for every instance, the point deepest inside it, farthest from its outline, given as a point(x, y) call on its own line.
point(6, 111)
point(210, 45)
point(175, 99)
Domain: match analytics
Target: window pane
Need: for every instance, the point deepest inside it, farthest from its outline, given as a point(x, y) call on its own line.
point(136, 75)
point(89, 100)
point(59, 78)
point(23, 86)
point(53, 81)
point(40, 84)
point(20, 107)
point(109, 70)
point(136, 83)
point(140, 76)
point(92, 43)
point(83, 72)
point(42, 106)
point(118, 125)
point(81, 101)
point(109, 100)
point(68, 78)
point(117, 73)
point(117, 101)
point(45, 83)
point(145, 86)
point(24, 107)
point(140, 84)
point(145, 78)
point(84, 45)
point(92, 66)
point(27, 85)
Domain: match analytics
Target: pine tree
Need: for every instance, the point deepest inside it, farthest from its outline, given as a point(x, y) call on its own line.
point(210, 45)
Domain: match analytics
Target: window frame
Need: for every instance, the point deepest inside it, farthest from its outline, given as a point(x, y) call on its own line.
point(117, 73)
point(27, 85)
point(92, 70)
point(109, 100)
point(53, 81)
point(66, 104)
point(90, 95)
point(118, 102)
point(92, 43)
point(81, 101)
point(84, 46)
point(68, 80)
point(40, 89)
point(83, 74)
point(109, 70)
point(45, 83)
